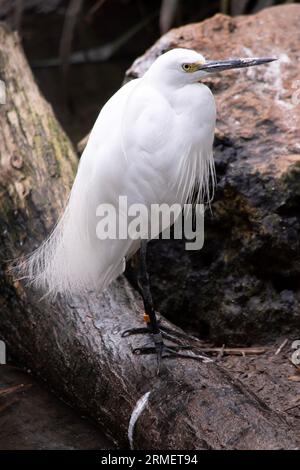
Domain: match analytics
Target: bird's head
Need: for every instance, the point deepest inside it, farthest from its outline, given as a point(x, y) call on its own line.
point(183, 66)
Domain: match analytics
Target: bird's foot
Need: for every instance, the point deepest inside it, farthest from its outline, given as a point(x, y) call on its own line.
point(163, 350)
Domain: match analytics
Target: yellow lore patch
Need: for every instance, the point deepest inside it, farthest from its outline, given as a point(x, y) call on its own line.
point(193, 67)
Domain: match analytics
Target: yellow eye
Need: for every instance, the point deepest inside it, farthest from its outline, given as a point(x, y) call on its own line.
point(186, 67)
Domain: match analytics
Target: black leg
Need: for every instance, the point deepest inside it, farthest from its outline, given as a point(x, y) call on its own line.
point(144, 285)
point(150, 315)
point(158, 332)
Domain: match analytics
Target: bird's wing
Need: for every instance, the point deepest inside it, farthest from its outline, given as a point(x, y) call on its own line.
point(115, 162)
point(130, 153)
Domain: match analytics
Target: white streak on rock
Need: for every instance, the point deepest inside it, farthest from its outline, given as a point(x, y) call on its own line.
point(138, 410)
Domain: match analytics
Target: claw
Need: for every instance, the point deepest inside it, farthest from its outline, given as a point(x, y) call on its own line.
point(144, 350)
point(166, 333)
point(134, 331)
point(174, 352)
point(163, 350)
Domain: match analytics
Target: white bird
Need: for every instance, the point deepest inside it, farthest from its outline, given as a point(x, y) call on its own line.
point(152, 142)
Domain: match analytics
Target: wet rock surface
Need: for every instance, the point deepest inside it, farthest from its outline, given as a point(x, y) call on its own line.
point(272, 376)
point(244, 285)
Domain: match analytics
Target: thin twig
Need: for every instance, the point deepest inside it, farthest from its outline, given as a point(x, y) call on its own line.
point(278, 351)
point(93, 9)
point(71, 16)
point(13, 389)
point(168, 11)
point(96, 54)
point(235, 351)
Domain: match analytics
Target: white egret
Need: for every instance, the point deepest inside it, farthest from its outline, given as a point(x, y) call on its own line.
point(152, 143)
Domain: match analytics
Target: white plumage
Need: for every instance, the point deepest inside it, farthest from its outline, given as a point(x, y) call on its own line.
point(152, 142)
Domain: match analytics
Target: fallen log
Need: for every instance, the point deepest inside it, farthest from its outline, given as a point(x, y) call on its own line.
point(77, 346)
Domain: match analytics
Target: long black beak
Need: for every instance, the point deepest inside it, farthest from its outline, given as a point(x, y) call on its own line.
point(220, 65)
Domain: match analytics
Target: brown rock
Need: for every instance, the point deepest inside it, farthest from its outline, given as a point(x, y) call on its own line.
point(245, 284)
